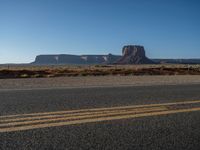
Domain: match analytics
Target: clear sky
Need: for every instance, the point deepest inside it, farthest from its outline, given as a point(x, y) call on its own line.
point(166, 28)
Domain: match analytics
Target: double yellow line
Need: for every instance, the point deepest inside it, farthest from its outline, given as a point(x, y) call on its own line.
point(22, 122)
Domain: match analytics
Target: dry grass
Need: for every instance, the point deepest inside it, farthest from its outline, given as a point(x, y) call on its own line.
point(28, 71)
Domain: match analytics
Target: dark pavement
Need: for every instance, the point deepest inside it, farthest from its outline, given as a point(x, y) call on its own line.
point(174, 131)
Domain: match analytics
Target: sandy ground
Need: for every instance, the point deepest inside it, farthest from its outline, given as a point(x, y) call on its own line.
point(91, 81)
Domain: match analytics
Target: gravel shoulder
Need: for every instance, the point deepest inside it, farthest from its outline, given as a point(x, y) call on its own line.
point(92, 81)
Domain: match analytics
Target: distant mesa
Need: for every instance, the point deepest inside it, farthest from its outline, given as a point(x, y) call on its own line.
point(131, 54)
point(76, 59)
point(134, 54)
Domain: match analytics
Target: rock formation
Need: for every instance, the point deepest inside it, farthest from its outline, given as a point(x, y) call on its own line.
point(134, 54)
point(177, 61)
point(75, 59)
point(131, 54)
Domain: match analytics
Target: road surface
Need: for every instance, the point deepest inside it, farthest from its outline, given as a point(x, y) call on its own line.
point(132, 117)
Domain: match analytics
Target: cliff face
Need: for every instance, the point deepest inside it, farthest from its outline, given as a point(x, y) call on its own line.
point(131, 54)
point(177, 61)
point(134, 54)
point(57, 59)
point(75, 59)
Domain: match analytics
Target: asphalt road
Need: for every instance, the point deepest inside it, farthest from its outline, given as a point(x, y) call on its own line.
point(169, 131)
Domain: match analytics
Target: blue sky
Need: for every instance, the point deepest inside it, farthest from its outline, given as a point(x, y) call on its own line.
point(166, 28)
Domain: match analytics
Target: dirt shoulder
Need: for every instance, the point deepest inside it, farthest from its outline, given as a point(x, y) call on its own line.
point(90, 81)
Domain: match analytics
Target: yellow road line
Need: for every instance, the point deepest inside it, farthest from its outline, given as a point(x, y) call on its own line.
point(99, 109)
point(91, 115)
point(74, 114)
point(22, 128)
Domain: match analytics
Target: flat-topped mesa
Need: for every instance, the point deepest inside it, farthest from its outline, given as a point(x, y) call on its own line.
point(75, 59)
point(131, 54)
point(133, 50)
point(134, 54)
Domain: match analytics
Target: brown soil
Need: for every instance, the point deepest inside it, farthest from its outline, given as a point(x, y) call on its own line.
point(98, 71)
